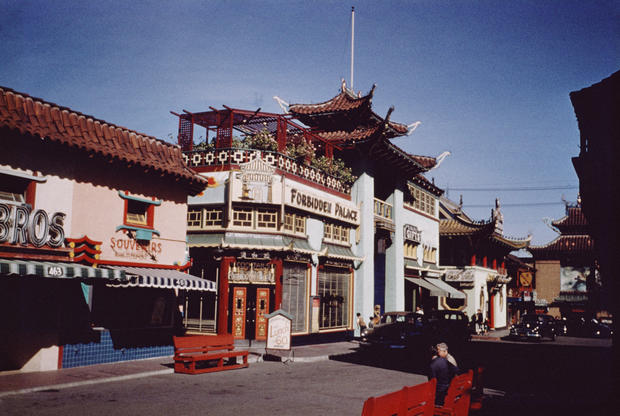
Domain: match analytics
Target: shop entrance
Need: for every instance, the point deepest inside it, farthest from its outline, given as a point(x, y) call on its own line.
point(249, 305)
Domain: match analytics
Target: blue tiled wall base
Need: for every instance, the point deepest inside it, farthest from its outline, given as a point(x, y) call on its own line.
point(77, 355)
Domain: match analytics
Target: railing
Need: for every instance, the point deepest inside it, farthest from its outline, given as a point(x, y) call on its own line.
point(383, 209)
point(223, 157)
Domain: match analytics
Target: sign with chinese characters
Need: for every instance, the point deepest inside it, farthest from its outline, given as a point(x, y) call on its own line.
point(19, 224)
point(323, 205)
point(252, 272)
point(279, 330)
point(412, 233)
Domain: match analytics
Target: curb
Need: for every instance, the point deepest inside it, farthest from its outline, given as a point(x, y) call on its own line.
point(87, 382)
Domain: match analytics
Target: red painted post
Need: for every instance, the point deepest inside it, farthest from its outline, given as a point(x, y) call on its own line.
point(281, 135)
point(484, 261)
point(278, 276)
point(473, 260)
point(222, 296)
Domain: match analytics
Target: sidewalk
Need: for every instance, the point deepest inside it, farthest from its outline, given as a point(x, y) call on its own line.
point(19, 383)
point(492, 335)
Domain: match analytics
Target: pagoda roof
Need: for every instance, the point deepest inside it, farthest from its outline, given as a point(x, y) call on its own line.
point(348, 110)
point(453, 222)
point(428, 162)
point(424, 183)
point(564, 244)
point(64, 126)
point(574, 222)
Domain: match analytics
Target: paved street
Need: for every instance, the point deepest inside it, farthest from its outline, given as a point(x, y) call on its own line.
point(267, 388)
point(569, 376)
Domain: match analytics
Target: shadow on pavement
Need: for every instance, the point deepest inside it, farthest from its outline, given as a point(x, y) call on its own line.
point(520, 378)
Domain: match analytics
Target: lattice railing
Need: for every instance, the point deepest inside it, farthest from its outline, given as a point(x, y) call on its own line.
point(235, 157)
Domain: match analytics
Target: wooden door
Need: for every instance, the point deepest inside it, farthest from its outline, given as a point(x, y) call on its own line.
point(239, 305)
point(262, 309)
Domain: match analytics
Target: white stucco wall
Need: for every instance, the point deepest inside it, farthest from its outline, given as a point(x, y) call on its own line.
point(362, 194)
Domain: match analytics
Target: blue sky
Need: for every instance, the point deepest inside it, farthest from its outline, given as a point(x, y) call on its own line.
point(489, 80)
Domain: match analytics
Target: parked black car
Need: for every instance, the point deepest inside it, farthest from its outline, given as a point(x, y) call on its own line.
point(534, 327)
point(581, 327)
point(410, 330)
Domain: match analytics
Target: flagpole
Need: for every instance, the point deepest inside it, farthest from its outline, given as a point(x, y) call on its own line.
point(352, 42)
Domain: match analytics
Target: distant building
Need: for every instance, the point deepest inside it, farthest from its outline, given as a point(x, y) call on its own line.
point(567, 275)
point(473, 255)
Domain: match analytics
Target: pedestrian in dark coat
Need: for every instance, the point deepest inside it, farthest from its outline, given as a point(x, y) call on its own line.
point(442, 370)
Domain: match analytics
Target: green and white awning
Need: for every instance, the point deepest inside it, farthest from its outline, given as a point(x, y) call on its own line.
point(437, 287)
point(57, 270)
point(162, 278)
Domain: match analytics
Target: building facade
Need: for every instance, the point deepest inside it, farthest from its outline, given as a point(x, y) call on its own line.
point(301, 214)
point(92, 238)
point(473, 254)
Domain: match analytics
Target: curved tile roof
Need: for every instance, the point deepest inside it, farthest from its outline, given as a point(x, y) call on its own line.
point(34, 116)
point(347, 105)
point(344, 101)
point(574, 222)
point(565, 244)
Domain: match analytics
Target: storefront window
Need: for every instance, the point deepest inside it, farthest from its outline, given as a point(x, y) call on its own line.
point(334, 292)
point(294, 296)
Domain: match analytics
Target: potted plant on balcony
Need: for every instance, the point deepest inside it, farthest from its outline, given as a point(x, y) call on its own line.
point(300, 149)
point(335, 167)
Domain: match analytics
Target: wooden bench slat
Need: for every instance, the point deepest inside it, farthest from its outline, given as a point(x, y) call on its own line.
point(205, 349)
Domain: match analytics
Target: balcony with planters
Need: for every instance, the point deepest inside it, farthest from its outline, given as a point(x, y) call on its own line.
point(233, 137)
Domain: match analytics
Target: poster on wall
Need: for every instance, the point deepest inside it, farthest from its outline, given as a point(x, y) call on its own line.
point(573, 279)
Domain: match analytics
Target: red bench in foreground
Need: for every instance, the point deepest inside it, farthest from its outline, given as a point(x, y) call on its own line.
point(409, 401)
point(197, 354)
point(458, 396)
point(420, 400)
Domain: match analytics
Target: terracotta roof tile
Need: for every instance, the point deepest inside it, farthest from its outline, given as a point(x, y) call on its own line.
point(574, 219)
point(565, 244)
point(344, 101)
point(426, 161)
point(36, 117)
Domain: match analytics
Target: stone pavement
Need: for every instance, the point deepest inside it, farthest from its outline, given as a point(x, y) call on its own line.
point(26, 382)
point(20, 382)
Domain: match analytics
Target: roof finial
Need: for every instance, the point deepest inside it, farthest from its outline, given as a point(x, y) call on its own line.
point(343, 85)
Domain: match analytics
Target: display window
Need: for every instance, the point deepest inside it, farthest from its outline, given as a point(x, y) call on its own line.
point(334, 290)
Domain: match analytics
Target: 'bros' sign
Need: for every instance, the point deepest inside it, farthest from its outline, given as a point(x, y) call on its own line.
point(20, 225)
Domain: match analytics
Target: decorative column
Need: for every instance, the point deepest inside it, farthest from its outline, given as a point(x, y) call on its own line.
point(222, 296)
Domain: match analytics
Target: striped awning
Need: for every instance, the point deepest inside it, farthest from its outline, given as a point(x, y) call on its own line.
point(57, 270)
point(162, 278)
point(452, 292)
point(250, 242)
point(338, 252)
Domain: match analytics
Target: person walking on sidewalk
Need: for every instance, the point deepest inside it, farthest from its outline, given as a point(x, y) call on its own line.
point(360, 325)
point(479, 321)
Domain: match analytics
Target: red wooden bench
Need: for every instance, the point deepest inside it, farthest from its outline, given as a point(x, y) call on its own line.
point(196, 354)
point(416, 400)
point(458, 396)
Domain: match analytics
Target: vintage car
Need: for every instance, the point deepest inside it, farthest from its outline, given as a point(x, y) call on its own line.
point(410, 329)
point(534, 327)
point(581, 327)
